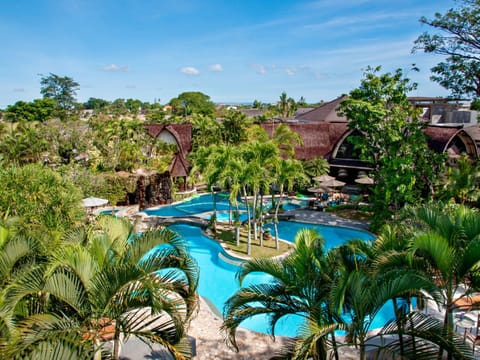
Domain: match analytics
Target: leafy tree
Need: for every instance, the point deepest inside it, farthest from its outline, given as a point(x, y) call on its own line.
point(38, 110)
point(302, 102)
point(462, 182)
point(41, 197)
point(119, 143)
point(21, 143)
point(257, 104)
point(156, 115)
point(458, 38)
point(62, 89)
point(234, 127)
point(96, 104)
point(289, 171)
point(390, 139)
point(205, 131)
point(118, 108)
point(192, 102)
point(134, 106)
point(66, 140)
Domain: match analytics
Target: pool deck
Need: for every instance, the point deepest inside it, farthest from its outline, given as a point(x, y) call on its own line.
point(326, 218)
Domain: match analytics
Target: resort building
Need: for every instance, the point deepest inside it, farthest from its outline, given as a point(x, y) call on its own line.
point(179, 135)
point(451, 129)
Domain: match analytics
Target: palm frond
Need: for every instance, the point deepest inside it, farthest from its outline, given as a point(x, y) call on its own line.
point(14, 250)
point(438, 249)
point(423, 337)
point(41, 333)
point(67, 287)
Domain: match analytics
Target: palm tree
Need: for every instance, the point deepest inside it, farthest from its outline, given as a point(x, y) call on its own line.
point(286, 140)
point(315, 167)
point(449, 247)
point(111, 281)
point(358, 294)
point(462, 182)
point(299, 287)
point(17, 256)
point(262, 162)
point(289, 171)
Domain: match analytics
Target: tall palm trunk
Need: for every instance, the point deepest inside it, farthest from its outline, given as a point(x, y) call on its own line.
point(260, 219)
point(399, 325)
point(254, 212)
point(116, 344)
point(275, 218)
point(98, 352)
point(249, 223)
point(237, 224)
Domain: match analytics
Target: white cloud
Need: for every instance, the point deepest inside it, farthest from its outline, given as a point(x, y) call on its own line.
point(189, 70)
point(216, 67)
point(291, 71)
point(260, 69)
point(115, 68)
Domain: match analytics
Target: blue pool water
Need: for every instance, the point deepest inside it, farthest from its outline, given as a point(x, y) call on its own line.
point(218, 282)
point(202, 206)
point(333, 235)
point(217, 279)
point(217, 276)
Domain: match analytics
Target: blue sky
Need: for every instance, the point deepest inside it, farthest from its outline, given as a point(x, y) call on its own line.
point(232, 50)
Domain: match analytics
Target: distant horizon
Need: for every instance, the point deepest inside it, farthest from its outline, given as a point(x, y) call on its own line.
point(233, 52)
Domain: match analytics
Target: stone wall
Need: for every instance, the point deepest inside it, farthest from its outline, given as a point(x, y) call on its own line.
point(151, 189)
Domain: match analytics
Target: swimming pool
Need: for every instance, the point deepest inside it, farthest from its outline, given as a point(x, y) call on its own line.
point(202, 206)
point(217, 269)
point(217, 275)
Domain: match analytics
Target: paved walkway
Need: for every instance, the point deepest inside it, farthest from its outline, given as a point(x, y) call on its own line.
point(326, 218)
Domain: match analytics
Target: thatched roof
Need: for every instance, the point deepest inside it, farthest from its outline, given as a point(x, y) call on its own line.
point(183, 135)
point(181, 132)
point(179, 166)
point(319, 139)
point(440, 136)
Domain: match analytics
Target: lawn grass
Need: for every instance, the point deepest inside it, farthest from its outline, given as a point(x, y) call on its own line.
point(353, 212)
point(226, 235)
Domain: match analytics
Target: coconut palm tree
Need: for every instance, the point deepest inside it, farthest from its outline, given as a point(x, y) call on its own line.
point(299, 287)
point(288, 172)
point(286, 140)
point(110, 282)
point(262, 159)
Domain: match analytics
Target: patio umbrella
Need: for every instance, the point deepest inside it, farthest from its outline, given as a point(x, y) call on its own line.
point(365, 180)
point(318, 189)
point(323, 178)
point(333, 183)
point(92, 202)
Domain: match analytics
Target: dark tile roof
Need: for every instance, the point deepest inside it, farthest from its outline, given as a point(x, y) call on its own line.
point(251, 112)
point(325, 113)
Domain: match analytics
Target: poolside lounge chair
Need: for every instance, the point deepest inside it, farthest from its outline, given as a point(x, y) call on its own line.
point(473, 337)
